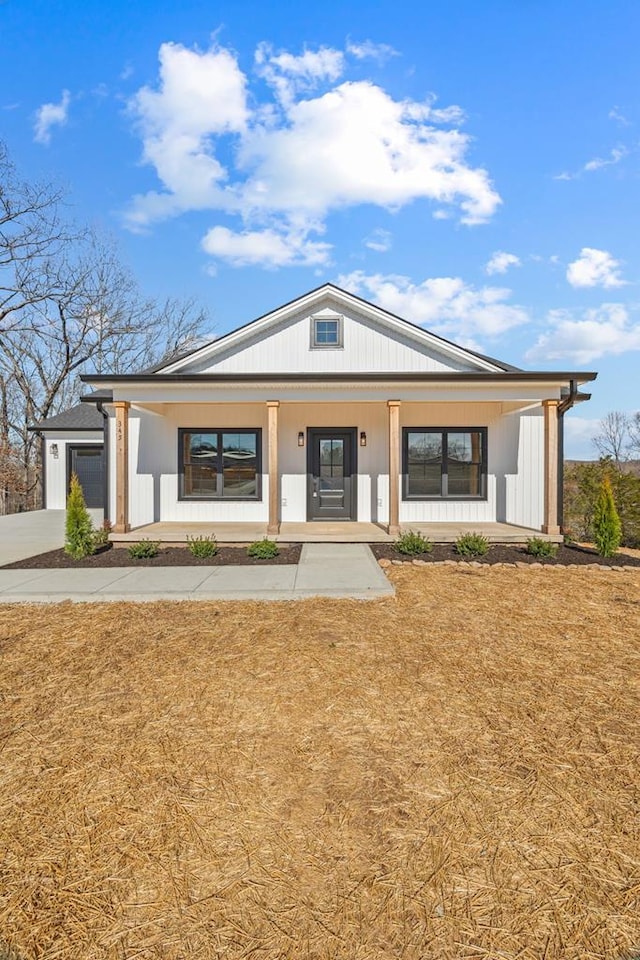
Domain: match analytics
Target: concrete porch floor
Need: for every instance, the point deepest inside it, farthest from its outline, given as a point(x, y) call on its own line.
point(322, 532)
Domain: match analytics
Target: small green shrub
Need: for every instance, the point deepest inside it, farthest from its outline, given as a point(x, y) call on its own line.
point(79, 535)
point(607, 529)
point(144, 550)
point(538, 547)
point(472, 545)
point(413, 543)
point(264, 549)
point(202, 547)
point(101, 538)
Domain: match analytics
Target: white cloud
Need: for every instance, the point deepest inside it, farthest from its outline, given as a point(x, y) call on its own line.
point(616, 114)
point(594, 268)
point(264, 247)
point(200, 96)
point(607, 329)
point(501, 261)
point(368, 50)
point(284, 164)
point(51, 115)
point(616, 155)
point(289, 75)
point(447, 305)
point(378, 240)
point(597, 163)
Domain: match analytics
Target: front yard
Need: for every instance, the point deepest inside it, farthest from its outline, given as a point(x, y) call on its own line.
point(451, 774)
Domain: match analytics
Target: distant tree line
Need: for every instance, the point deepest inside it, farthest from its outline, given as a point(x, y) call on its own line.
point(618, 443)
point(67, 306)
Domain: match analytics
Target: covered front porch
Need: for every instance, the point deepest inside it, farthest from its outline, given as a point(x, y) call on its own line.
point(511, 457)
point(320, 532)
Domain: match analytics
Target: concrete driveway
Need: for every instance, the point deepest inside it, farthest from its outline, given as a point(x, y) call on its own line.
point(27, 534)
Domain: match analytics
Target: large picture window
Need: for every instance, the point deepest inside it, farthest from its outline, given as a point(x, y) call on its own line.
point(219, 464)
point(444, 462)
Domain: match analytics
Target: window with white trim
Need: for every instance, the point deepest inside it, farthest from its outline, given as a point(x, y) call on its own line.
point(326, 333)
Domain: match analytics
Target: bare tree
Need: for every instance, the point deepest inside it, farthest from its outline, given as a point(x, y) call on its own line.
point(634, 435)
point(31, 234)
point(613, 438)
point(67, 306)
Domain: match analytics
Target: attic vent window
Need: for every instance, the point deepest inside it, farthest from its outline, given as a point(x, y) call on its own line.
point(326, 332)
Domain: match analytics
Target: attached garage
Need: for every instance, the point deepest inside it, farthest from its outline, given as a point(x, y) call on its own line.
point(73, 442)
point(86, 460)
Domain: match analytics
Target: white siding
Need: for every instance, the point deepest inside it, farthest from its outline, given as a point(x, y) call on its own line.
point(56, 466)
point(153, 464)
point(523, 438)
point(367, 347)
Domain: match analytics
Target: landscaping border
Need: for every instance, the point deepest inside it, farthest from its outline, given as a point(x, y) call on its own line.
point(511, 555)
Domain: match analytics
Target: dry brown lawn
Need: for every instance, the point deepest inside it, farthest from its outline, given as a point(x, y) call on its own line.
point(450, 774)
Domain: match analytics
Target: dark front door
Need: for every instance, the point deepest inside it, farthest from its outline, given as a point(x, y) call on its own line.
point(332, 474)
point(88, 463)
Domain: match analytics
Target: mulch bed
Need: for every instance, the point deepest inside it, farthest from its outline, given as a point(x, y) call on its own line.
point(167, 557)
point(510, 553)
point(290, 554)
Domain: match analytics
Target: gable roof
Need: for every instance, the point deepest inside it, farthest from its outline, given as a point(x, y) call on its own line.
point(311, 300)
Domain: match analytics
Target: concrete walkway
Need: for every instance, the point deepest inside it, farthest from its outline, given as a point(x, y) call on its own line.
point(25, 535)
point(325, 570)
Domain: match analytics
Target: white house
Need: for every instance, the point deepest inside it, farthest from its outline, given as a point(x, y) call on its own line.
point(328, 408)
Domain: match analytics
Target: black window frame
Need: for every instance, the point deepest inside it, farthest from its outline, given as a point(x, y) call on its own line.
point(338, 345)
point(444, 473)
point(255, 431)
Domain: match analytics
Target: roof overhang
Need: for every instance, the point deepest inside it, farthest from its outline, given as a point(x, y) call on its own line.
point(520, 376)
point(166, 389)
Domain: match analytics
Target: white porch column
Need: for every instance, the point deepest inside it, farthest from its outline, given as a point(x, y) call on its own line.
point(394, 467)
point(121, 524)
point(274, 486)
point(550, 519)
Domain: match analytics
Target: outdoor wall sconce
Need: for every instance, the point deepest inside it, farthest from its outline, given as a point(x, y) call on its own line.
point(363, 438)
point(301, 439)
point(53, 450)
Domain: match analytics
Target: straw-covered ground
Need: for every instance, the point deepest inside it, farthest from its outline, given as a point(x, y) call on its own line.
point(450, 774)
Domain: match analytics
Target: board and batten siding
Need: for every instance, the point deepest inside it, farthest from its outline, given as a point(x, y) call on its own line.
point(56, 467)
point(515, 461)
point(365, 348)
point(515, 465)
point(523, 433)
point(153, 464)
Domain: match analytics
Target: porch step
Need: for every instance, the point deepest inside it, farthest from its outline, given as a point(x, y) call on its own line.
point(323, 532)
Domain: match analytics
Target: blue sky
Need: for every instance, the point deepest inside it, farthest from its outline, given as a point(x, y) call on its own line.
point(471, 166)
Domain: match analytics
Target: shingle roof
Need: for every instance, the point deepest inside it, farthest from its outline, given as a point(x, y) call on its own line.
point(84, 416)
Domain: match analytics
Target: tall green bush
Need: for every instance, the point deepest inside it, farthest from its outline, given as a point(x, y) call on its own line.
point(581, 490)
point(79, 538)
point(607, 529)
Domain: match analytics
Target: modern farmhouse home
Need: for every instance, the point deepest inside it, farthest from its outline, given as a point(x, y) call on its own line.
point(326, 409)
